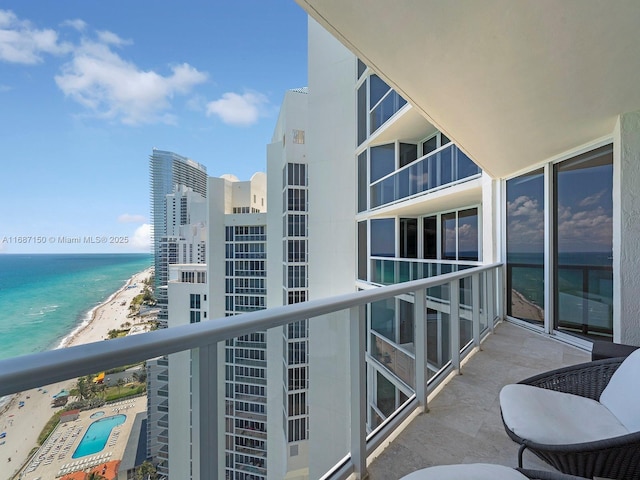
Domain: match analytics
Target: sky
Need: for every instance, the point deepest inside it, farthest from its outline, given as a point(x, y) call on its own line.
point(88, 89)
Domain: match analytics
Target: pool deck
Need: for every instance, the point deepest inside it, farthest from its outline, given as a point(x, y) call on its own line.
point(53, 459)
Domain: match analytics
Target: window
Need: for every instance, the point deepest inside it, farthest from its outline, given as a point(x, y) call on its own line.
point(583, 241)
point(382, 161)
point(362, 250)
point(409, 237)
point(298, 136)
point(363, 181)
point(194, 300)
point(383, 235)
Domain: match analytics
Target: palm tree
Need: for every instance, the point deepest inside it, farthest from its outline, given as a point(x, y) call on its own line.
point(120, 383)
point(84, 387)
point(146, 471)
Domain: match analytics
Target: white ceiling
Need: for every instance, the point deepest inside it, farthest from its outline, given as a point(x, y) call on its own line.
point(513, 82)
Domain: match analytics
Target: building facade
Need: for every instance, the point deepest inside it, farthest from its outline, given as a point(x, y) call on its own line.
point(178, 210)
point(288, 220)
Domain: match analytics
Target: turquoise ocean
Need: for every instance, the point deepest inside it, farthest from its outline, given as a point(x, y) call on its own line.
point(46, 297)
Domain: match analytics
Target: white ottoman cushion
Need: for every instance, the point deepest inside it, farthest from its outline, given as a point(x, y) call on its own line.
point(471, 471)
point(622, 394)
point(556, 418)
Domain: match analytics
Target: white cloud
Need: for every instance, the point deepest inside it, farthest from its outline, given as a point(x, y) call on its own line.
point(76, 23)
point(116, 89)
point(592, 199)
point(239, 110)
point(21, 42)
point(110, 38)
point(141, 239)
point(129, 218)
point(5, 88)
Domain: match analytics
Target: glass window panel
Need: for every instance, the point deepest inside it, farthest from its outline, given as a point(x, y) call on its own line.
point(362, 250)
point(525, 247)
point(361, 68)
point(362, 113)
point(406, 323)
point(449, 236)
point(468, 234)
point(430, 145)
point(409, 237)
point(583, 239)
point(408, 153)
point(377, 90)
point(430, 237)
point(383, 161)
point(383, 318)
point(362, 182)
point(385, 395)
point(383, 243)
point(444, 139)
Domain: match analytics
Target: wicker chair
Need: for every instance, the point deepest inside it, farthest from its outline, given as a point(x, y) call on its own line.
point(617, 457)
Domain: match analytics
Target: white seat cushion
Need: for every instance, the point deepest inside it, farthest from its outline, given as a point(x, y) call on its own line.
point(471, 471)
point(622, 394)
point(556, 418)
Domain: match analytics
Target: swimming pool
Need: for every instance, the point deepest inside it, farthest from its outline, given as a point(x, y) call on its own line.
point(97, 414)
point(97, 435)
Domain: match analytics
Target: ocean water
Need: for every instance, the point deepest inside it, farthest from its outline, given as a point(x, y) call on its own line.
point(45, 297)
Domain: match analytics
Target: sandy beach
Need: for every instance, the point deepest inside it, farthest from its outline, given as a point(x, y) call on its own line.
point(23, 424)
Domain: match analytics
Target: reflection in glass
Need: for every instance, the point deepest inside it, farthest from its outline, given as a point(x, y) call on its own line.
point(525, 247)
point(383, 237)
point(383, 160)
point(583, 243)
point(448, 221)
point(430, 237)
point(409, 238)
point(468, 234)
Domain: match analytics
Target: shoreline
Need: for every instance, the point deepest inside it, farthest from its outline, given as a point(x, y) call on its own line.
point(23, 424)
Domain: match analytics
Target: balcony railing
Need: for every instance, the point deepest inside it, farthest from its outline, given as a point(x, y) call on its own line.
point(441, 167)
point(442, 332)
point(389, 271)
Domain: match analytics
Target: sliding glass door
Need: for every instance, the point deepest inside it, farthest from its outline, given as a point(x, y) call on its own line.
point(572, 260)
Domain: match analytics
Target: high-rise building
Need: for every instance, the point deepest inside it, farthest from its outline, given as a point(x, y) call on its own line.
point(288, 280)
point(168, 170)
point(232, 282)
point(178, 210)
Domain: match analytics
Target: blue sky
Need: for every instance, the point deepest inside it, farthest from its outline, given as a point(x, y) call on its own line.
point(87, 89)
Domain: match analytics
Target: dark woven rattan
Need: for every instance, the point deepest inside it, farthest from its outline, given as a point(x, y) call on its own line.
point(542, 475)
point(615, 458)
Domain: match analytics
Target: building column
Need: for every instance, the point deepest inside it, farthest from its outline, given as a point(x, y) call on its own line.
point(626, 230)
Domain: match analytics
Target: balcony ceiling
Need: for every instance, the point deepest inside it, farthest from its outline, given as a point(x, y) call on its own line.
point(514, 83)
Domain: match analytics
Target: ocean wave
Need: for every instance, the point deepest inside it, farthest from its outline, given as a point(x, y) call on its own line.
point(43, 311)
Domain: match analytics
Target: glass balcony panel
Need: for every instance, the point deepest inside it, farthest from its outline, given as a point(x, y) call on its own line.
point(525, 290)
point(385, 110)
point(585, 299)
point(430, 172)
point(399, 363)
point(465, 166)
point(438, 339)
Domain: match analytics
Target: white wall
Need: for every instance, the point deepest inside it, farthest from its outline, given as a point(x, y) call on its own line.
point(626, 229)
point(180, 385)
point(332, 240)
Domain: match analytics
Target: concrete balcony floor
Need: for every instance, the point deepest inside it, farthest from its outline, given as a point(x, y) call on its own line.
point(463, 424)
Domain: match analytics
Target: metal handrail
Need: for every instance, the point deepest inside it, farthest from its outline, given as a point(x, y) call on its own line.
point(31, 371)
